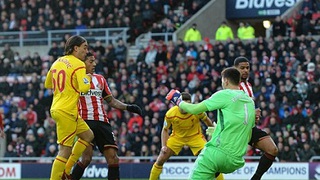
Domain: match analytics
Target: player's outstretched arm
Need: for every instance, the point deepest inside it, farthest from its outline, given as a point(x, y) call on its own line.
point(175, 97)
point(115, 103)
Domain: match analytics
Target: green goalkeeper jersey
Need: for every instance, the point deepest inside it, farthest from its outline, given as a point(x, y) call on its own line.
point(236, 118)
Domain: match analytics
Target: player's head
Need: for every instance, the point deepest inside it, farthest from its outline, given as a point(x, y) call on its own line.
point(186, 96)
point(243, 65)
point(77, 46)
point(230, 77)
point(90, 62)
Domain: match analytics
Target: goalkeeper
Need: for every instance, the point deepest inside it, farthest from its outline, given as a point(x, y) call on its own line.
point(186, 131)
point(236, 118)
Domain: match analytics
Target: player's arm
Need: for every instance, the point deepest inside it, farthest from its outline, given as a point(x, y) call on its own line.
point(258, 115)
point(115, 103)
point(208, 122)
point(48, 81)
point(164, 136)
point(83, 80)
point(193, 108)
point(175, 97)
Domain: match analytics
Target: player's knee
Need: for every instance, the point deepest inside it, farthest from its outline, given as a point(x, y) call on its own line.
point(273, 151)
point(91, 136)
point(86, 160)
point(112, 158)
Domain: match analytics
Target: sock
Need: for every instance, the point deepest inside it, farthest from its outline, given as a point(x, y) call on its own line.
point(78, 171)
point(113, 172)
point(265, 163)
point(155, 172)
point(77, 151)
point(58, 166)
point(220, 177)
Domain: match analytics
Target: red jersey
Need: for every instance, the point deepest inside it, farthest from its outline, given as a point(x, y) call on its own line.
point(91, 103)
point(247, 88)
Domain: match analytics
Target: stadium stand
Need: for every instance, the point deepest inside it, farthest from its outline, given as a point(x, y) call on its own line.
point(285, 76)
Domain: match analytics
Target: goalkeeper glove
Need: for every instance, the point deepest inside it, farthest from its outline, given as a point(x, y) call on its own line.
point(174, 96)
point(134, 108)
point(210, 130)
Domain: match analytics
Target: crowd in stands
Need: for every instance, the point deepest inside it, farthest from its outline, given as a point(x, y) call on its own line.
point(285, 78)
point(305, 20)
point(138, 15)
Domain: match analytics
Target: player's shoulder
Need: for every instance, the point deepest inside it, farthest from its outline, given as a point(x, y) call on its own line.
point(171, 113)
point(98, 76)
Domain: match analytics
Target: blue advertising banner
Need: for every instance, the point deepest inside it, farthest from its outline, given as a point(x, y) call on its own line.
point(95, 170)
point(314, 170)
point(239, 9)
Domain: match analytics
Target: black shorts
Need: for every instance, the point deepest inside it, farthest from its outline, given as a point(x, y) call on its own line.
point(257, 135)
point(103, 135)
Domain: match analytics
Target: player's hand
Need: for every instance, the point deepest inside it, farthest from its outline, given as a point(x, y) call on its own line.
point(258, 115)
point(134, 108)
point(174, 96)
point(210, 130)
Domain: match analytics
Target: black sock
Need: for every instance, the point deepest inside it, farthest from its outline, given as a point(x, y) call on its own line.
point(265, 163)
point(78, 171)
point(113, 172)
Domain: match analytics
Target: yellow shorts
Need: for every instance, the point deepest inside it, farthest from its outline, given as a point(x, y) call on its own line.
point(68, 126)
point(195, 143)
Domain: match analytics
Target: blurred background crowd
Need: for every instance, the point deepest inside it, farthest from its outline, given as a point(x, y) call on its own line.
point(285, 74)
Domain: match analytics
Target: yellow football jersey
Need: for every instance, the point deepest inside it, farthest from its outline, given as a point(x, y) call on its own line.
point(67, 77)
point(183, 125)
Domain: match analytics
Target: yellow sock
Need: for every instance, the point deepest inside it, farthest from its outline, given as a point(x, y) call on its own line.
point(57, 169)
point(77, 151)
point(155, 172)
point(220, 177)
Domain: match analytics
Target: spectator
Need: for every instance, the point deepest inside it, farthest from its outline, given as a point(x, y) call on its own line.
point(245, 31)
point(224, 32)
point(306, 153)
point(286, 154)
point(192, 34)
point(10, 151)
point(120, 51)
point(278, 27)
point(304, 23)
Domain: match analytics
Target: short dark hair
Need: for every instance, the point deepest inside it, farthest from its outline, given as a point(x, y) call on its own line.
point(232, 74)
point(89, 54)
point(73, 41)
point(239, 60)
point(186, 96)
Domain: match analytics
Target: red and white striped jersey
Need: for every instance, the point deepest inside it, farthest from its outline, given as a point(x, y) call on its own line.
point(247, 88)
point(91, 103)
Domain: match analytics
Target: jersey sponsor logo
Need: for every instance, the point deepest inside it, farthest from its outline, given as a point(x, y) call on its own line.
point(85, 81)
point(261, 4)
point(92, 92)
